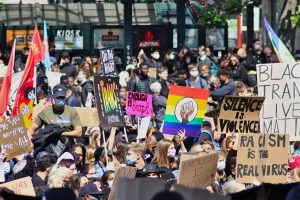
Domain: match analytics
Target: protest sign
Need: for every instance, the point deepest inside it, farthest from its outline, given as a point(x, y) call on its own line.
point(108, 61)
point(140, 188)
point(152, 72)
point(68, 39)
point(128, 172)
point(13, 137)
point(240, 114)
point(138, 104)
point(263, 157)
point(22, 186)
point(199, 171)
point(280, 84)
point(185, 110)
point(88, 116)
point(108, 102)
point(143, 125)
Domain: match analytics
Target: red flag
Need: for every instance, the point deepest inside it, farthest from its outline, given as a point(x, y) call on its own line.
point(5, 89)
point(25, 93)
point(38, 49)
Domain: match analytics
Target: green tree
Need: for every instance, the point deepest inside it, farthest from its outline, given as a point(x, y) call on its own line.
point(296, 18)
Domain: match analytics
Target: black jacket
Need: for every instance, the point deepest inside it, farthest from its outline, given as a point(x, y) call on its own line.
point(139, 84)
point(254, 58)
point(49, 139)
point(69, 69)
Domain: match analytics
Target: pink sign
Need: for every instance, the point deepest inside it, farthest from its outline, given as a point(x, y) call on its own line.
point(139, 104)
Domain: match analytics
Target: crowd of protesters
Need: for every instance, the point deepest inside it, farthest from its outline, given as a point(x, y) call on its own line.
point(79, 161)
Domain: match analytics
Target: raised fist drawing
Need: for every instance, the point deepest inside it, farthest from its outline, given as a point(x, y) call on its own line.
point(186, 110)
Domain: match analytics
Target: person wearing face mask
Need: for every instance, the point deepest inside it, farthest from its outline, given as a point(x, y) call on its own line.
point(20, 60)
point(135, 157)
point(164, 157)
point(59, 113)
point(85, 80)
point(254, 56)
point(66, 67)
point(171, 61)
point(154, 61)
point(203, 59)
point(242, 54)
point(195, 80)
point(226, 86)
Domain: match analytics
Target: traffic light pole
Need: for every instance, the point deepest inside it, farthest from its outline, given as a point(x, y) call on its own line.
point(180, 22)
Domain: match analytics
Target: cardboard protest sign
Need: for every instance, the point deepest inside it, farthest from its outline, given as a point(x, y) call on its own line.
point(88, 116)
point(13, 137)
point(22, 186)
point(280, 84)
point(138, 104)
point(263, 157)
point(152, 72)
point(135, 189)
point(143, 125)
point(240, 114)
point(198, 172)
point(108, 102)
point(128, 172)
point(185, 110)
point(107, 56)
point(192, 194)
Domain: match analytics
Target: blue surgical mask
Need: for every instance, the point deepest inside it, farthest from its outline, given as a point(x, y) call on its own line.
point(130, 160)
point(60, 102)
point(172, 57)
point(94, 60)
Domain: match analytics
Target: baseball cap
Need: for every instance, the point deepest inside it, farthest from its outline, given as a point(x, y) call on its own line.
point(89, 189)
point(60, 90)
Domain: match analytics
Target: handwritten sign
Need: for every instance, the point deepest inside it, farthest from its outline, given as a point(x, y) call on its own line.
point(108, 102)
point(280, 84)
point(108, 61)
point(22, 186)
point(263, 157)
point(88, 116)
point(198, 172)
point(13, 137)
point(139, 104)
point(240, 114)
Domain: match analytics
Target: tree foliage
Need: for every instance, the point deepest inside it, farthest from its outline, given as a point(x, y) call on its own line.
point(296, 18)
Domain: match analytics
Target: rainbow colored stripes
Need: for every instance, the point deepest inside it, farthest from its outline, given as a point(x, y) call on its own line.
point(282, 52)
point(173, 121)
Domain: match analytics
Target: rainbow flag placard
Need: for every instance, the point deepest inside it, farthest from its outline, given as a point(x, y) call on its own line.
point(185, 110)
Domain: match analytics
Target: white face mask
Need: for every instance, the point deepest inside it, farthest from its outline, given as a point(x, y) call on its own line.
point(110, 184)
point(172, 57)
point(156, 56)
point(194, 73)
point(221, 165)
point(81, 78)
point(172, 153)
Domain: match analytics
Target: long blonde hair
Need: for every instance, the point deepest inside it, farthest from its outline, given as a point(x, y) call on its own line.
point(56, 176)
point(93, 138)
point(161, 153)
point(89, 155)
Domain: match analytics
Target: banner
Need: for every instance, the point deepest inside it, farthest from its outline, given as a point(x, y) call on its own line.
point(108, 61)
point(13, 137)
point(240, 114)
point(263, 157)
point(22, 186)
point(68, 39)
point(185, 110)
point(46, 62)
point(280, 84)
point(138, 104)
point(198, 172)
point(108, 102)
point(88, 116)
